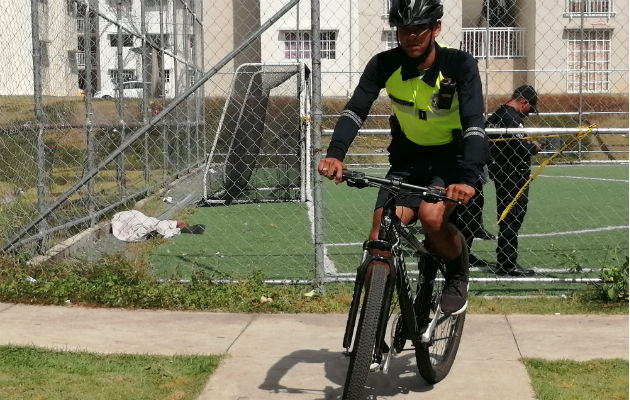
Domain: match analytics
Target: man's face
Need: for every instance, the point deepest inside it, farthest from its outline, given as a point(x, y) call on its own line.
point(526, 108)
point(415, 39)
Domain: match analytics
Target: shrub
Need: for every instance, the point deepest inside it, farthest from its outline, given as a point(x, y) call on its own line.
point(614, 285)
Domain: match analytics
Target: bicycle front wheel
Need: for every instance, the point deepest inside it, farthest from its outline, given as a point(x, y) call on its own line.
point(362, 353)
point(435, 358)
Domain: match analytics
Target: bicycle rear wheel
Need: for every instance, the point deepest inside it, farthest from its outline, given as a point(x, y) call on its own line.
point(362, 353)
point(435, 358)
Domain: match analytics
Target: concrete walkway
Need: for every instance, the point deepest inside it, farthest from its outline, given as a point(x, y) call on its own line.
point(299, 356)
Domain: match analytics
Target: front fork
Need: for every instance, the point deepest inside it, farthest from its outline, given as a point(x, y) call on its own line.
point(373, 250)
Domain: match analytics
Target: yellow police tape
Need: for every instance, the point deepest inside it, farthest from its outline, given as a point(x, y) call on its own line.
point(530, 137)
point(584, 131)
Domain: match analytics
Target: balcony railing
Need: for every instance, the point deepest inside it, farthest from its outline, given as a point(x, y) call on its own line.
point(494, 42)
point(590, 8)
point(81, 58)
point(81, 26)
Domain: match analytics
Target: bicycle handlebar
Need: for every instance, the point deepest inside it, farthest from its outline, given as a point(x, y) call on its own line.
point(430, 194)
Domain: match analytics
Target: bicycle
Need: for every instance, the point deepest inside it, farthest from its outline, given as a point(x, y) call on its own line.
point(434, 335)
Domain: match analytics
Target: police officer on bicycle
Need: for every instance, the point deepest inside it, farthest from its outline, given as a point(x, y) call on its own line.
point(438, 135)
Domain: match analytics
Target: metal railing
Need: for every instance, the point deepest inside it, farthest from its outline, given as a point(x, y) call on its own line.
point(494, 42)
point(541, 132)
point(590, 8)
point(81, 58)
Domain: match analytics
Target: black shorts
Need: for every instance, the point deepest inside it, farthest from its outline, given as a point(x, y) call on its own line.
point(432, 166)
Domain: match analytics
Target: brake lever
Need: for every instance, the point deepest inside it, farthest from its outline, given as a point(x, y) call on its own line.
point(434, 194)
point(355, 179)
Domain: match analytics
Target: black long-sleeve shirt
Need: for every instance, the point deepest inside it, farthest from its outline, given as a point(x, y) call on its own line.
point(513, 154)
point(452, 63)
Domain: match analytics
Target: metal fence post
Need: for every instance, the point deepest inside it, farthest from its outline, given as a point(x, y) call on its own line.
point(121, 174)
point(186, 74)
point(89, 112)
point(165, 164)
point(176, 86)
point(39, 117)
point(316, 117)
point(145, 92)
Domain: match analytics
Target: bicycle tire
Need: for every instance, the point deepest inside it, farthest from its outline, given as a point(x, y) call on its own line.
point(365, 337)
point(435, 359)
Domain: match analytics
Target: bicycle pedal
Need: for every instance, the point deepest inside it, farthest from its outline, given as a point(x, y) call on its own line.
point(375, 367)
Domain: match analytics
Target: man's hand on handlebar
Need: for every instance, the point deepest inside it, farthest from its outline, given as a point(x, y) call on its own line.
point(460, 192)
point(332, 168)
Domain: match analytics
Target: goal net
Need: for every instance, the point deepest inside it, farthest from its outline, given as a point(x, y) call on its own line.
point(259, 150)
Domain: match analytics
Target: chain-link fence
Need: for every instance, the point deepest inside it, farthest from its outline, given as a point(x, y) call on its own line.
point(104, 102)
point(575, 55)
point(82, 132)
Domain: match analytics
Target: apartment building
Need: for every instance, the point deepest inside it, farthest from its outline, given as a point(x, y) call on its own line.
point(106, 41)
point(56, 38)
point(570, 46)
point(153, 41)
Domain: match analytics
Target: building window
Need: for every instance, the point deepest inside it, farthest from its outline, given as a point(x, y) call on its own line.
point(588, 60)
point(498, 13)
point(127, 40)
point(155, 39)
point(71, 8)
point(390, 39)
point(153, 5)
point(291, 49)
point(329, 40)
point(167, 75)
point(297, 45)
point(127, 75)
point(590, 8)
point(125, 5)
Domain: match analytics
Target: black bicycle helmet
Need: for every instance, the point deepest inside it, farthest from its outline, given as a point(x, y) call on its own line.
point(415, 12)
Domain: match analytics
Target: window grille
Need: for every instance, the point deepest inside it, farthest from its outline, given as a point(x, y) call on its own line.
point(389, 37)
point(127, 75)
point(588, 8)
point(153, 5)
point(588, 60)
point(127, 40)
point(297, 45)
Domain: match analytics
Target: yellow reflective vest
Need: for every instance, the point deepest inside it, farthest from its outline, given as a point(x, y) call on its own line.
point(415, 105)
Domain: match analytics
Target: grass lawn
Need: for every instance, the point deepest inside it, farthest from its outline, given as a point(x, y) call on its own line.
point(573, 380)
point(564, 229)
point(577, 217)
point(30, 373)
point(240, 239)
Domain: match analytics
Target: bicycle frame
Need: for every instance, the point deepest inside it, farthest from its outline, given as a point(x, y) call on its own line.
point(389, 250)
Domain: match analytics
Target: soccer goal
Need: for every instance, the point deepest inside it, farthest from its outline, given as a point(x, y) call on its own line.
point(259, 153)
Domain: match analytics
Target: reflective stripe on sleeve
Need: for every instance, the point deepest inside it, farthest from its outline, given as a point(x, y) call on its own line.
point(353, 116)
point(474, 131)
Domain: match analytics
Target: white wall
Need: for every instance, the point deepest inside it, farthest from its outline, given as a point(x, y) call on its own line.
point(16, 74)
